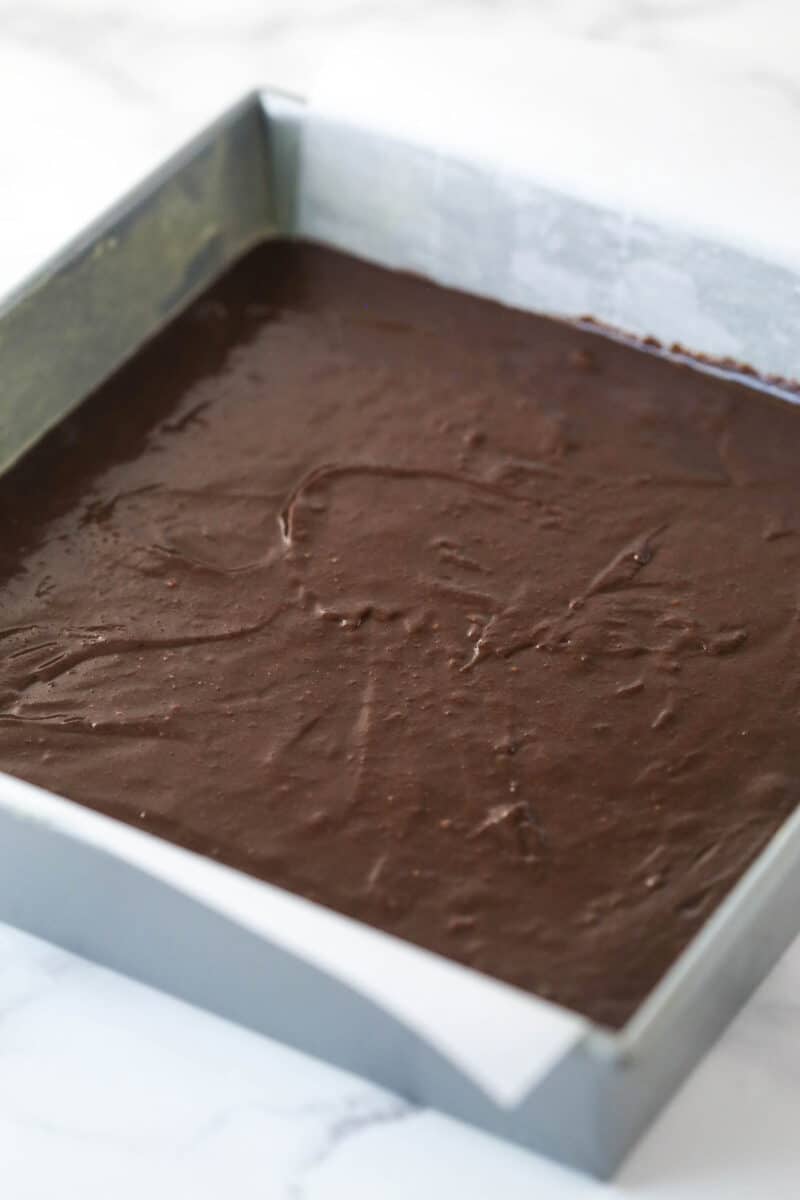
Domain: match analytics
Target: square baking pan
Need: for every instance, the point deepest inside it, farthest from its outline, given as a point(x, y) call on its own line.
point(438, 1033)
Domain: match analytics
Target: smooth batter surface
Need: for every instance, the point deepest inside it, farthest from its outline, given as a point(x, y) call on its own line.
point(470, 624)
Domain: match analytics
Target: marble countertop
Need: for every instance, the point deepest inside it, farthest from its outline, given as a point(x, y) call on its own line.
point(108, 1088)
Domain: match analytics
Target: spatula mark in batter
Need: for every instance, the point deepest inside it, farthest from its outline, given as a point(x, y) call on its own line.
point(513, 628)
point(623, 568)
point(360, 736)
point(156, 727)
point(331, 471)
point(60, 664)
point(281, 747)
point(190, 563)
point(518, 818)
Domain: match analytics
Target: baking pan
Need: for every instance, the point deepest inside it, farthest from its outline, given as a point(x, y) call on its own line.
point(438, 1033)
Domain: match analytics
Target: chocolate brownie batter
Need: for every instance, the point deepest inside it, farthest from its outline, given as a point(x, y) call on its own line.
point(474, 625)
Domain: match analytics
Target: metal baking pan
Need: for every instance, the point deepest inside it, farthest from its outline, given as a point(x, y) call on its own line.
point(438, 1033)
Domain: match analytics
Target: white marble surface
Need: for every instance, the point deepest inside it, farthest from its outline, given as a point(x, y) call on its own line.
point(107, 1088)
